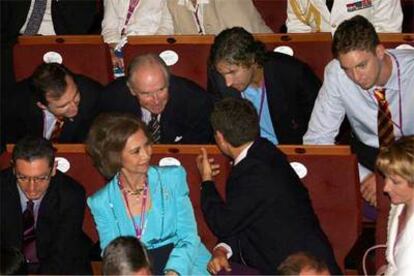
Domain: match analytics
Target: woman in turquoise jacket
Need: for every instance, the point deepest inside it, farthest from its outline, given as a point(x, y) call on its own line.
point(149, 202)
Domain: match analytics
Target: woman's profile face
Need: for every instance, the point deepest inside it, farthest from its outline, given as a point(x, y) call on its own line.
point(399, 189)
point(136, 155)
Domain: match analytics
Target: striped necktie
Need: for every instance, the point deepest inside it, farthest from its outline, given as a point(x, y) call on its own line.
point(36, 18)
point(29, 236)
point(385, 126)
point(57, 130)
point(155, 128)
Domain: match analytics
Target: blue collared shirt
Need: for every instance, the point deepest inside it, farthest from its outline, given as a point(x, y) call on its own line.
point(254, 95)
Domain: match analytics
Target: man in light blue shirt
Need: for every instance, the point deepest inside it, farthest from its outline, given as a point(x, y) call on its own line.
point(362, 64)
point(281, 88)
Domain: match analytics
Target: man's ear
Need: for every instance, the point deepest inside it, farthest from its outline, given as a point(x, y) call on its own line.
point(130, 89)
point(380, 51)
point(219, 137)
point(41, 106)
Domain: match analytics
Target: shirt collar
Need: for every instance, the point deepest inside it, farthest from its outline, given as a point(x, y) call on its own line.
point(392, 83)
point(146, 115)
point(24, 200)
point(242, 154)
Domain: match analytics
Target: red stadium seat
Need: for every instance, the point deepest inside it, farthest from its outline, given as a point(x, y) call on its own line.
point(87, 55)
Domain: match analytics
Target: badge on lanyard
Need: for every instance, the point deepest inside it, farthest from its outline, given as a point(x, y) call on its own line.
point(358, 5)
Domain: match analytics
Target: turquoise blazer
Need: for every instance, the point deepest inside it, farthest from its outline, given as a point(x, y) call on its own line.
point(170, 219)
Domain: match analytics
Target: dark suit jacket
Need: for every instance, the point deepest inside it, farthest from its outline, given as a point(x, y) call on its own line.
point(62, 247)
point(24, 117)
point(68, 16)
point(186, 115)
point(267, 214)
point(291, 89)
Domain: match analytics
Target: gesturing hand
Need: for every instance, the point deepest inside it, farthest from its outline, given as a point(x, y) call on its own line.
point(206, 166)
point(219, 261)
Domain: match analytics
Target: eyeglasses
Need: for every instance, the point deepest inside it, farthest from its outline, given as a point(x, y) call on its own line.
point(35, 179)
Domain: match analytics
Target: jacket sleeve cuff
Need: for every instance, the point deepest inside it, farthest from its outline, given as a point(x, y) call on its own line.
point(225, 246)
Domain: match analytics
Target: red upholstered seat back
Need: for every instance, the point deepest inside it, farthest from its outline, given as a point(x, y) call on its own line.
point(86, 55)
point(383, 207)
point(193, 51)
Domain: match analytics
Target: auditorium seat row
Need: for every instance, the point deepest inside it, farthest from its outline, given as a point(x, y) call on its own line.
point(188, 54)
point(329, 172)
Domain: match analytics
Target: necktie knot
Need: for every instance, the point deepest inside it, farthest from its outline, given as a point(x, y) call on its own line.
point(30, 205)
point(379, 94)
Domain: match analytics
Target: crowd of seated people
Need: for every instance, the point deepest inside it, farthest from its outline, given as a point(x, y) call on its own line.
point(364, 82)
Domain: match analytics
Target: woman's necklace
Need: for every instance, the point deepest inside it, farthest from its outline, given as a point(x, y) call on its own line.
point(134, 192)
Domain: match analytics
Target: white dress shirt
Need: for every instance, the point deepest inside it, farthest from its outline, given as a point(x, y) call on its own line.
point(46, 27)
point(304, 16)
point(150, 17)
point(340, 96)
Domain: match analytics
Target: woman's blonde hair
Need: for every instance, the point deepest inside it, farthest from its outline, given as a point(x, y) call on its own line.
point(398, 159)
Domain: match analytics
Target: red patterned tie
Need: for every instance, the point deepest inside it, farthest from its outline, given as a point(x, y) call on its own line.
point(57, 130)
point(385, 126)
point(29, 236)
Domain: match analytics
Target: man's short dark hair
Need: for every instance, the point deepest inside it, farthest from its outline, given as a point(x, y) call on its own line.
point(236, 119)
point(356, 33)
point(295, 263)
point(124, 255)
point(237, 46)
point(31, 148)
point(49, 78)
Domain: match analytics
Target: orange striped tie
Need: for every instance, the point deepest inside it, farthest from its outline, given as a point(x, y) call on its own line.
point(385, 126)
point(57, 129)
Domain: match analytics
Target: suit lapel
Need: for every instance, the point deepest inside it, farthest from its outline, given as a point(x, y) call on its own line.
point(275, 99)
point(15, 208)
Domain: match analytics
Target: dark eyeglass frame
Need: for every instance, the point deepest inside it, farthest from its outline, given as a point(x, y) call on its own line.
point(35, 179)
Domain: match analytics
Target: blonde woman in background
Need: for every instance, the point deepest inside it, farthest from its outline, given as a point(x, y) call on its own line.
point(397, 165)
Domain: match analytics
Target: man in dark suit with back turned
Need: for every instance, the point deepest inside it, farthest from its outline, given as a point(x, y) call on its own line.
point(42, 211)
point(282, 88)
point(54, 103)
point(175, 109)
point(267, 214)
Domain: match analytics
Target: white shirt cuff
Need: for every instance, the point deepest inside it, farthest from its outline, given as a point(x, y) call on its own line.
point(225, 246)
point(363, 172)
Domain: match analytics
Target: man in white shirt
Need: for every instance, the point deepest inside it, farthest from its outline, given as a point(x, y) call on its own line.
point(304, 16)
point(362, 66)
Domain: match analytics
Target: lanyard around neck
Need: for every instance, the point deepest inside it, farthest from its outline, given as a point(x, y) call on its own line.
point(400, 121)
point(262, 97)
point(139, 229)
point(131, 8)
